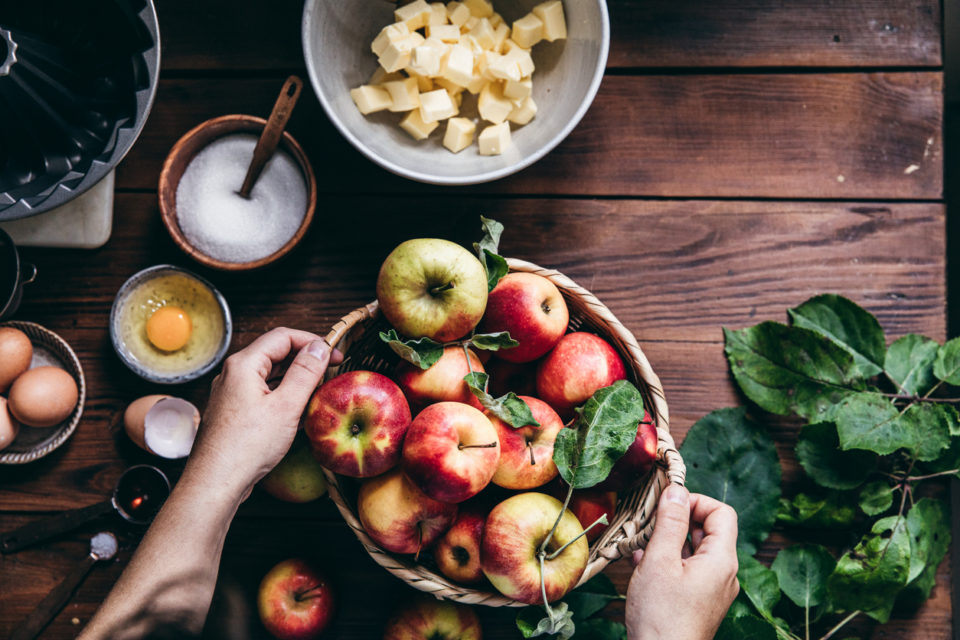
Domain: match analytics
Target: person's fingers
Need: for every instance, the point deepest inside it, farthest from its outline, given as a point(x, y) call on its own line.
point(670, 530)
point(696, 537)
point(637, 557)
point(687, 550)
point(305, 373)
point(719, 529)
point(280, 368)
point(269, 349)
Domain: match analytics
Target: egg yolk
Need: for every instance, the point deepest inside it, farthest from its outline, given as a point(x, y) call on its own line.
point(169, 328)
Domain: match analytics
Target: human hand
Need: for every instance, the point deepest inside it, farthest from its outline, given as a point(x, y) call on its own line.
point(681, 590)
point(248, 427)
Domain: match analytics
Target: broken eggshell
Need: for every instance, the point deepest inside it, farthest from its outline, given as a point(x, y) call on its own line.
point(163, 425)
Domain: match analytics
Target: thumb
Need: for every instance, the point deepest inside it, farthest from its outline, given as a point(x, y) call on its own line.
point(305, 373)
point(672, 525)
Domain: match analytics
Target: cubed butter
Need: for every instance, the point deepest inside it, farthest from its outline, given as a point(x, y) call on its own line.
point(425, 61)
point(380, 76)
point(496, 20)
point(495, 139)
point(457, 13)
point(387, 35)
point(415, 15)
point(521, 57)
point(480, 8)
point(404, 94)
point(524, 113)
point(527, 31)
point(458, 66)
point(444, 32)
point(518, 91)
point(483, 34)
point(509, 45)
point(370, 99)
point(493, 105)
point(469, 24)
point(451, 87)
point(459, 134)
point(457, 97)
point(500, 67)
point(438, 14)
point(424, 83)
point(398, 53)
point(436, 105)
point(554, 22)
point(416, 127)
point(500, 34)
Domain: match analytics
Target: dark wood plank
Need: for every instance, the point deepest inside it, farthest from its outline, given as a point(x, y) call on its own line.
point(875, 136)
point(655, 33)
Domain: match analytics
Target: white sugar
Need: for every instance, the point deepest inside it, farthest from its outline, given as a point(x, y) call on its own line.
point(224, 226)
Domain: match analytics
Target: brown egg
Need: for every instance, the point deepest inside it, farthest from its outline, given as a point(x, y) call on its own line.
point(15, 354)
point(135, 416)
point(8, 426)
point(43, 397)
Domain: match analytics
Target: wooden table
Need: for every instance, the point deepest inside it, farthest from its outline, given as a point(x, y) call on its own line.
point(740, 157)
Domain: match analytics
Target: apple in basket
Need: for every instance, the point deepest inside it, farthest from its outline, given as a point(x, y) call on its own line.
point(532, 309)
point(512, 536)
point(442, 381)
point(578, 366)
point(432, 288)
point(589, 505)
point(519, 377)
point(458, 552)
point(526, 454)
point(295, 601)
point(637, 461)
point(426, 618)
point(400, 517)
point(356, 423)
point(451, 451)
point(298, 477)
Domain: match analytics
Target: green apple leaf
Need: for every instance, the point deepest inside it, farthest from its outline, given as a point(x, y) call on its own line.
point(494, 264)
point(422, 352)
point(909, 363)
point(558, 621)
point(848, 325)
point(802, 572)
point(759, 583)
point(932, 426)
point(748, 627)
point(869, 577)
point(733, 459)
point(949, 458)
point(818, 451)
point(947, 365)
point(876, 497)
point(493, 341)
point(834, 510)
point(509, 408)
point(791, 370)
point(871, 421)
point(605, 428)
point(601, 629)
point(929, 527)
point(591, 597)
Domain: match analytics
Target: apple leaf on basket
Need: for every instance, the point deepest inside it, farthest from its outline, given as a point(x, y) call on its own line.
point(509, 408)
point(494, 264)
point(493, 341)
point(422, 352)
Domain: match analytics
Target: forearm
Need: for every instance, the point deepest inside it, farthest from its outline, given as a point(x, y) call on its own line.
point(171, 577)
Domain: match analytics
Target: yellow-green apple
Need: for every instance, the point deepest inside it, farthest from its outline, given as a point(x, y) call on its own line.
point(451, 451)
point(433, 288)
point(532, 309)
point(575, 369)
point(427, 618)
point(637, 461)
point(295, 601)
point(526, 454)
point(298, 477)
point(441, 382)
point(519, 377)
point(356, 423)
point(458, 552)
point(589, 505)
point(512, 536)
point(400, 517)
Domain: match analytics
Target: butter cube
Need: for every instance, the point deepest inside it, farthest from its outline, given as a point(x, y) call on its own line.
point(415, 15)
point(459, 134)
point(527, 31)
point(479, 8)
point(457, 97)
point(380, 76)
point(524, 113)
point(509, 45)
point(500, 34)
point(500, 67)
point(445, 33)
point(416, 127)
point(438, 14)
point(398, 53)
point(477, 83)
point(458, 67)
point(370, 99)
point(483, 33)
point(496, 20)
point(495, 139)
point(451, 87)
point(554, 22)
point(404, 94)
point(457, 13)
point(521, 57)
point(518, 91)
point(471, 43)
point(492, 104)
point(424, 83)
point(469, 24)
point(425, 61)
point(436, 105)
point(387, 35)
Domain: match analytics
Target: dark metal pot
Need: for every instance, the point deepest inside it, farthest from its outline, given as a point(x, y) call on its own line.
point(13, 275)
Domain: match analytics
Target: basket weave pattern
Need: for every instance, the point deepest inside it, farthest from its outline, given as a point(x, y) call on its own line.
point(356, 335)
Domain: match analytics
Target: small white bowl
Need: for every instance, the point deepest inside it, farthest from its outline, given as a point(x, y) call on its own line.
point(336, 47)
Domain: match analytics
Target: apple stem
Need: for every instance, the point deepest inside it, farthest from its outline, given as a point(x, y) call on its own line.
point(543, 586)
point(478, 446)
point(438, 290)
point(306, 595)
point(601, 520)
point(416, 556)
point(546, 541)
point(533, 461)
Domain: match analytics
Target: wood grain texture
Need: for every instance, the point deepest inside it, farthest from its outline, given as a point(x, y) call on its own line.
point(875, 136)
point(661, 33)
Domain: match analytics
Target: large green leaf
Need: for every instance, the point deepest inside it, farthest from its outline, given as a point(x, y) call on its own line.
point(848, 325)
point(949, 458)
point(788, 370)
point(605, 428)
point(733, 459)
point(759, 584)
point(928, 524)
point(818, 451)
point(493, 341)
point(947, 365)
point(869, 577)
point(870, 421)
point(931, 425)
point(802, 572)
point(745, 628)
point(834, 510)
point(422, 352)
point(591, 597)
point(876, 497)
point(909, 363)
point(487, 250)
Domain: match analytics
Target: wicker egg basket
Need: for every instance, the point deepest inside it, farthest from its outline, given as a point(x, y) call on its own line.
point(356, 335)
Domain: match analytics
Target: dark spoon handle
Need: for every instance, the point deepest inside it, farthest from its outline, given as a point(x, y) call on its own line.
point(51, 605)
point(48, 527)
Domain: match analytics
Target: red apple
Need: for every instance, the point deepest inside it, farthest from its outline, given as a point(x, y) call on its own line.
point(356, 423)
point(295, 601)
point(458, 552)
point(451, 451)
point(442, 382)
point(512, 536)
point(589, 504)
point(637, 461)
point(298, 477)
point(519, 377)
point(532, 309)
point(427, 618)
point(578, 366)
point(526, 454)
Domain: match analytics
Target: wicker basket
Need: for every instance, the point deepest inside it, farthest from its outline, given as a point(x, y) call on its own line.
point(356, 335)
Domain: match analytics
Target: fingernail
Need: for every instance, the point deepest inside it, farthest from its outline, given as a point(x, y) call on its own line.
point(676, 494)
point(319, 349)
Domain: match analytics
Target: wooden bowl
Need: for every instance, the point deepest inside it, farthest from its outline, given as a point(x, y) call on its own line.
point(184, 151)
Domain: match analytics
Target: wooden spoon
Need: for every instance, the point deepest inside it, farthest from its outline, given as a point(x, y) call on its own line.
point(270, 138)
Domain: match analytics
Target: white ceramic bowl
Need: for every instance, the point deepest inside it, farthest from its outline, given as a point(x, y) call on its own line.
point(336, 47)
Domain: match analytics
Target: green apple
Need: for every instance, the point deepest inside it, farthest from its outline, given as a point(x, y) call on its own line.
point(433, 288)
point(298, 477)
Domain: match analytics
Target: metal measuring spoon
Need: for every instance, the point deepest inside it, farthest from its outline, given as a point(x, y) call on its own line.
point(103, 546)
point(137, 497)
